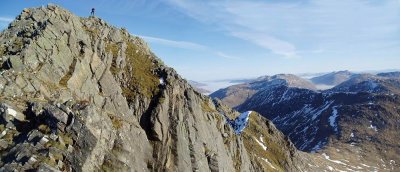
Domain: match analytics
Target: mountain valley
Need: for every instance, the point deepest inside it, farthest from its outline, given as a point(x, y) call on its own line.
point(355, 119)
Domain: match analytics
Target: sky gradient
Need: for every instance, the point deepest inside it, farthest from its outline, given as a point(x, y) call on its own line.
point(209, 40)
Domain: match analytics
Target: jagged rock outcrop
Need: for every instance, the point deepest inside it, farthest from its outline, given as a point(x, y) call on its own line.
point(80, 95)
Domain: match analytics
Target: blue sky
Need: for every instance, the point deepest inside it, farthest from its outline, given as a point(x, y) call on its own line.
point(209, 39)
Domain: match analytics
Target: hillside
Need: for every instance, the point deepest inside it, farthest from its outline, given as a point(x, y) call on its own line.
point(78, 94)
point(353, 124)
point(331, 79)
point(369, 83)
point(390, 74)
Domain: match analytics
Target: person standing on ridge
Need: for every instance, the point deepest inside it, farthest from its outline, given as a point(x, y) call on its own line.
point(92, 13)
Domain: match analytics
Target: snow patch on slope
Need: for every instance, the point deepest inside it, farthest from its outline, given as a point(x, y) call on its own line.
point(334, 161)
point(261, 143)
point(332, 119)
point(318, 146)
point(373, 127)
point(269, 163)
point(323, 108)
point(240, 123)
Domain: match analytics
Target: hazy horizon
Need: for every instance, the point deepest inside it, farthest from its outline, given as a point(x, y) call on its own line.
point(214, 85)
point(303, 75)
point(214, 40)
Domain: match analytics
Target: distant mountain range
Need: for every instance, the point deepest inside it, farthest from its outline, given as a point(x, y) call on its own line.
point(333, 78)
point(238, 94)
point(356, 121)
point(321, 80)
point(390, 74)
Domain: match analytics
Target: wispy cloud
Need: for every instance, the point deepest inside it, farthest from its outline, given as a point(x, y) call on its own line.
point(173, 43)
point(240, 19)
point(287, 28)
point(277, 46)
point(187, 45)
point(226, 56)
point(6, 19)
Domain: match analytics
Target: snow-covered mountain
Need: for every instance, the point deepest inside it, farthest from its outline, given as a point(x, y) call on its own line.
point(390, 74)
point(352, 121)
point(369, 83)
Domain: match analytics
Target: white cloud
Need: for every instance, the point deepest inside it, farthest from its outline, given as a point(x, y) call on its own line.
point(223, 55)
point(173, 43)
point(291, 28)
point(187, 45)
point(241, 19)
point(6, 19)
point(277, 46)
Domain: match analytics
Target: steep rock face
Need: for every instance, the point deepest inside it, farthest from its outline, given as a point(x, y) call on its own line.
point(80, 95)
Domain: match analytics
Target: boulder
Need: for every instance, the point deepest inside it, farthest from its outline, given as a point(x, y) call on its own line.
point(10, 113)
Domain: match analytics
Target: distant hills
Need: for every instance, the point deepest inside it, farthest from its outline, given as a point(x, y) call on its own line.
point(333, 78)
point(237, 94)
point(390, 74)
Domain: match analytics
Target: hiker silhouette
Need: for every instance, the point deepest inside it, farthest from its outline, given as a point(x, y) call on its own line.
point(92, 13)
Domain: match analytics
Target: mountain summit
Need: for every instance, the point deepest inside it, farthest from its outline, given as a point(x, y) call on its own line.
point(78, 94)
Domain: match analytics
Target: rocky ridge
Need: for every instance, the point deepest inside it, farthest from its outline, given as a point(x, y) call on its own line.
point(370, 83)
point(78, 94)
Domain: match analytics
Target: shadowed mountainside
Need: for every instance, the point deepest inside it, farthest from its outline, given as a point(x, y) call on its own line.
point(353, 124)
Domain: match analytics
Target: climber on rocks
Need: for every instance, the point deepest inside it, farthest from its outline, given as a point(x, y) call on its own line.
point(92, 12)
